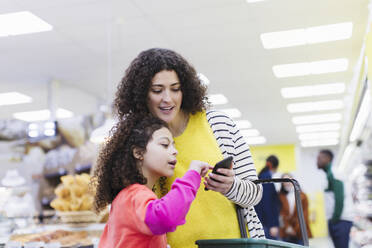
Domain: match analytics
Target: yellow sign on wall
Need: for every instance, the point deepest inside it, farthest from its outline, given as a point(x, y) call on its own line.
point(285, 154)
point(317, 218)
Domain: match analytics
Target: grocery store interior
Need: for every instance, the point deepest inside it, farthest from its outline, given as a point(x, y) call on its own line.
point(292, 75)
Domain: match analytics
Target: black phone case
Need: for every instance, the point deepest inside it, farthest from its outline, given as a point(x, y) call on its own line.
point(225, 163)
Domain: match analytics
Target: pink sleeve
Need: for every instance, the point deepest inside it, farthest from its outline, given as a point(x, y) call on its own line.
point(165, 214)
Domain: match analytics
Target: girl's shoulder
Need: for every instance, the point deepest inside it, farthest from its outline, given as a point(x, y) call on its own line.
point(134, 191)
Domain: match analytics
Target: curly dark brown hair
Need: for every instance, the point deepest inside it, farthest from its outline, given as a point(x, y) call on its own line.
point(116, 165)
point(131, 96)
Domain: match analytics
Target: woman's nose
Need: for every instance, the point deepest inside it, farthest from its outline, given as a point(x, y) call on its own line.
point(166, 96)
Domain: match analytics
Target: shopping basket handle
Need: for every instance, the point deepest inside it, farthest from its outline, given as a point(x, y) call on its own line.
point(297, 190)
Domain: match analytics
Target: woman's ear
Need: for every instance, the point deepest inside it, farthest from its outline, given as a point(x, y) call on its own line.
point(137, 153)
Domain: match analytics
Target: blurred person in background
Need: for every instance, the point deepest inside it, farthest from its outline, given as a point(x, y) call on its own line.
point(337, 202)
point(290, 230)
point(268, 208)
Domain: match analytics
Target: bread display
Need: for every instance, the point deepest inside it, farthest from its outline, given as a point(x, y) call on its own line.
point(73, 194)
point(65, 238)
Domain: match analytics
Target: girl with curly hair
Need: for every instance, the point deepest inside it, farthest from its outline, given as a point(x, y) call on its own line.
point(139, 152)
point(160, 82)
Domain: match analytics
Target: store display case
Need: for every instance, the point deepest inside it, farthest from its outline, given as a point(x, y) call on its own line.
point(67, 154)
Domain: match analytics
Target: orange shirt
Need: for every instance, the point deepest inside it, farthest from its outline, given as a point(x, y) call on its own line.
point(126, 226)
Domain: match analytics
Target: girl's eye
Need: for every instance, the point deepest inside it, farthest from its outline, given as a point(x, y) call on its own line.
point(165, 145)
point(176, 89)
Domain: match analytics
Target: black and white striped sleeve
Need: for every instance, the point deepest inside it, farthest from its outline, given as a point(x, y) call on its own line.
point(243, 191)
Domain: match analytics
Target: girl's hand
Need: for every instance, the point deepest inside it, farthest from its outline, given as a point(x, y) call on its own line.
point(201, 167)
point(220, 183)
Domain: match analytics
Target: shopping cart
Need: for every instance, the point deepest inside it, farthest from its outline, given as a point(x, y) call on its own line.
point(260, 243)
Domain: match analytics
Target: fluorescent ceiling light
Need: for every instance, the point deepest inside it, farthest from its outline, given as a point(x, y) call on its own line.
point(249, 132)
point(307, 119)
point(203, 79)
point(232, 112)
point(362, 117)
point(307, 68)
point(304, 36)
point(325, 142)
point(42, 115)
point(10, 98)
point(318, 128)
point(333, 32)
point(349, 150)
point(22, 23)
point(242, 124)
point(314, 106)
point(217, 99)
point(255, 140)
point(319, 136)
point(313, 90)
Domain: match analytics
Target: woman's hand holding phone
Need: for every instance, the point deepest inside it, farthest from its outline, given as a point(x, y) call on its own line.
point(222, 177)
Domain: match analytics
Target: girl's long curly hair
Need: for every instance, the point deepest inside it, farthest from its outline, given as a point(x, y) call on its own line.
point(131, 96)
point(116, 165)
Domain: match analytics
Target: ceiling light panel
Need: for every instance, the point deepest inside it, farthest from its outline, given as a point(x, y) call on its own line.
point(326, 33)
point(255, 140)
point(249, 132)
point(232, 112)
point(42, 115)
point(313, 90)
point(22, 23)
point(242, 124)
point(315, 106)
point(298, 37)
point(308, 68)
point(11, 98)
point(361, 118)
point(318, 128)
point(319, 136)
point(308, 119)
point(314, 143)
point(217, 99)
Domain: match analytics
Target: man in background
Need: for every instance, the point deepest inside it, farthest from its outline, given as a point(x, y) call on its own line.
point(338, 209)
point(268, 208)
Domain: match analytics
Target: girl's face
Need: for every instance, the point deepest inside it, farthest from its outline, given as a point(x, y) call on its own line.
point(165, 96)
point(160, 157)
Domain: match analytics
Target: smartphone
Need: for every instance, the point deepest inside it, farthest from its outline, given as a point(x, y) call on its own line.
point(225, 163)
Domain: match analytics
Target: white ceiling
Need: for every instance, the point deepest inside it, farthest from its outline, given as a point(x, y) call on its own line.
point(221, 38)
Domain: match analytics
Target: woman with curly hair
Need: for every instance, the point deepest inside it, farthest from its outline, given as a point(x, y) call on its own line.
point(162, 83)
point(139, 152)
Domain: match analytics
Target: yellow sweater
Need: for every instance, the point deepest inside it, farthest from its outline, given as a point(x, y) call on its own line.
point(211, 215)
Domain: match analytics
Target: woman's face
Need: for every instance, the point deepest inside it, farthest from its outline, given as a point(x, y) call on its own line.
point(165, 96)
